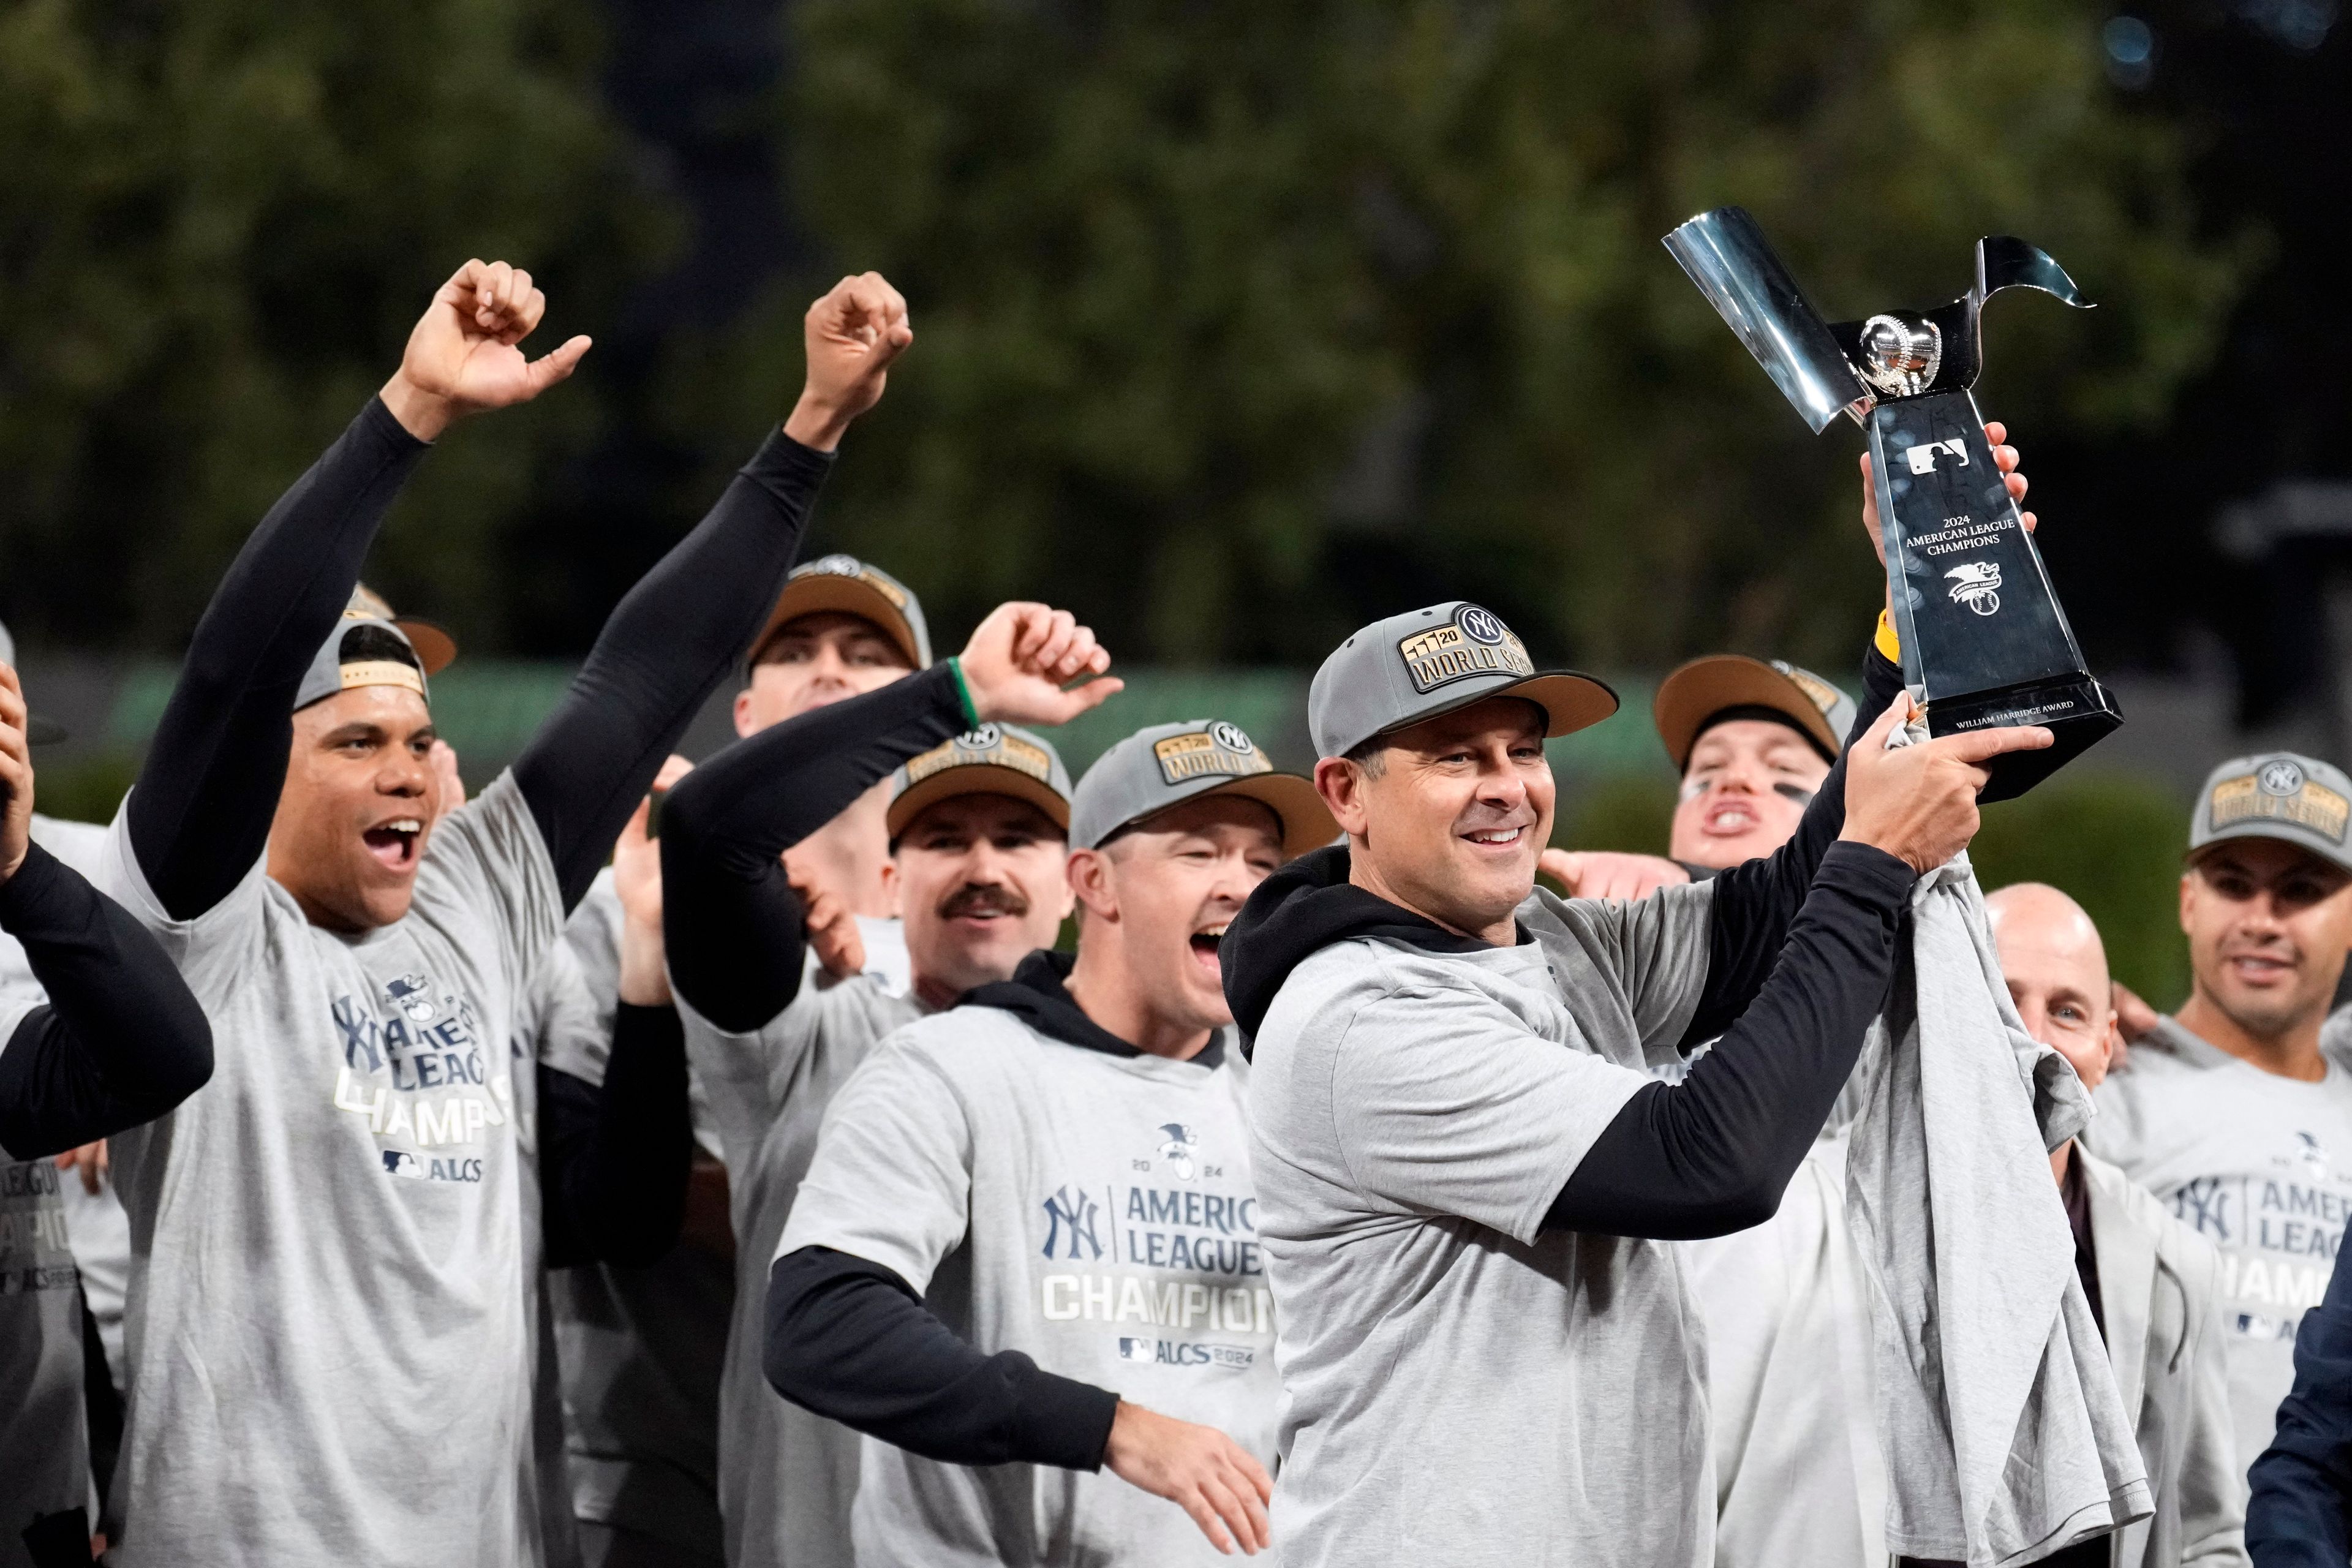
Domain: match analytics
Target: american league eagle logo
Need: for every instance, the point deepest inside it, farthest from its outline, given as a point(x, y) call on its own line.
point(1977, 585)
point(1177, 1149)
point(410, 996)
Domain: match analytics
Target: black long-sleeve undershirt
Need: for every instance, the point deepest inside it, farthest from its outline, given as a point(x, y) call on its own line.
point(732, 924)
point(1801, 947)
point(668, 643)
point(849, 1339)
point(201, 813)
point(614, 1158)
point(200, 816)
point(121, 1040)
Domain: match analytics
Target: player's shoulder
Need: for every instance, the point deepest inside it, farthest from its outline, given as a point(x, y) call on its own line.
point(965, 1039)
point(1331, 984)
point(492, 837)
point(77, 844)
point(969, 1053)
point(2168, 1059)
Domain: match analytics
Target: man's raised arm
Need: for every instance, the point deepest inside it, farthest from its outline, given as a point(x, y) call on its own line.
point(676, 634)
point(734, 921)
point(200, 816)
point(120, 1040)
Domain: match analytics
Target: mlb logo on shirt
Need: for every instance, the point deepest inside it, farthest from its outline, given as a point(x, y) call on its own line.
point(400, 1163)
point(1131, 1348)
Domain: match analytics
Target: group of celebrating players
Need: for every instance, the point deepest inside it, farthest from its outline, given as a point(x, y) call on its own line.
point(638, 1163)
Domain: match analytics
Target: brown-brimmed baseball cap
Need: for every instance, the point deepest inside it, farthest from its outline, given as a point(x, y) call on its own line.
point(435, 649)
point(845, 586)
point(1157, 767)
point(1693, 695)
point(2285, 795)
point(1422, 663)
point(994, 759)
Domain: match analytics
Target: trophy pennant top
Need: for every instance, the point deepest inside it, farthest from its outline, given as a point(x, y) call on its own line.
point(1849, 367)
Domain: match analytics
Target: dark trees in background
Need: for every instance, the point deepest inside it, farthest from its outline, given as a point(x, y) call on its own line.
point(1237, 324)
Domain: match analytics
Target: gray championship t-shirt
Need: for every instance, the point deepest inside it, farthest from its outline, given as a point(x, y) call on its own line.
point(1092, 1211)
point(43, 1442)
point(786, 1477)
point(328, 1334)
point(1462, 1387)
point(2258, 1164)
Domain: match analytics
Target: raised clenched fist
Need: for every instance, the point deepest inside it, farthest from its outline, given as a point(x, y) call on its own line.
point(853, 334)
point(1020, 658)
point(462, 357)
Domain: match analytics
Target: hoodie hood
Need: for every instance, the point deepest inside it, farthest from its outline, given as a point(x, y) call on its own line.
point(1303, 908)
point(1039, 996)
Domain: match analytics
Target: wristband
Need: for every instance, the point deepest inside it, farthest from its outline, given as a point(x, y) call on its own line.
point(963, 692)
point(1887, 642)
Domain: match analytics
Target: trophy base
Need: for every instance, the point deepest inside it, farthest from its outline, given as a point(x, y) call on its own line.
point(2075, 709)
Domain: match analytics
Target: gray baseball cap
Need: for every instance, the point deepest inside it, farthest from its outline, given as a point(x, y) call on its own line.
point(2295, 799)
point(845, 586)
point(1691, 699)
point(364, 649)
point(995, 759)
point(38, 731)
point(1153, 769)
point(1422, 663)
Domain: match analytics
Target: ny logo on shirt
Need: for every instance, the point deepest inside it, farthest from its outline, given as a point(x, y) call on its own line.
point(1074, 1213)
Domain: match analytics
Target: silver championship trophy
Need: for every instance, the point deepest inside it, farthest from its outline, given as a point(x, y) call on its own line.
point(1984, 641)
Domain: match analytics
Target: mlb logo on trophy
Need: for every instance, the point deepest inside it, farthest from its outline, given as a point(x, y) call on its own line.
point(1923, 459)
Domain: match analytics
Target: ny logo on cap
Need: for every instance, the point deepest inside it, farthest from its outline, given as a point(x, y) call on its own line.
point(2279, 778)
point(1475, 642)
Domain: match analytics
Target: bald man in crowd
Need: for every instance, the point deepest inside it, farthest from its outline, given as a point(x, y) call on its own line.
point(2154, 1284)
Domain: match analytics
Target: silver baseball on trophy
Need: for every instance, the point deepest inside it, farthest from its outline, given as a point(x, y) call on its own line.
point(1984, 639)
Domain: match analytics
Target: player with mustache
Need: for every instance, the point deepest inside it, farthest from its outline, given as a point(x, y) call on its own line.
point(974, 827)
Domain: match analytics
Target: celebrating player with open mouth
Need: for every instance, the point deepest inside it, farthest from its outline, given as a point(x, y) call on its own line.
point(327, 1327)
